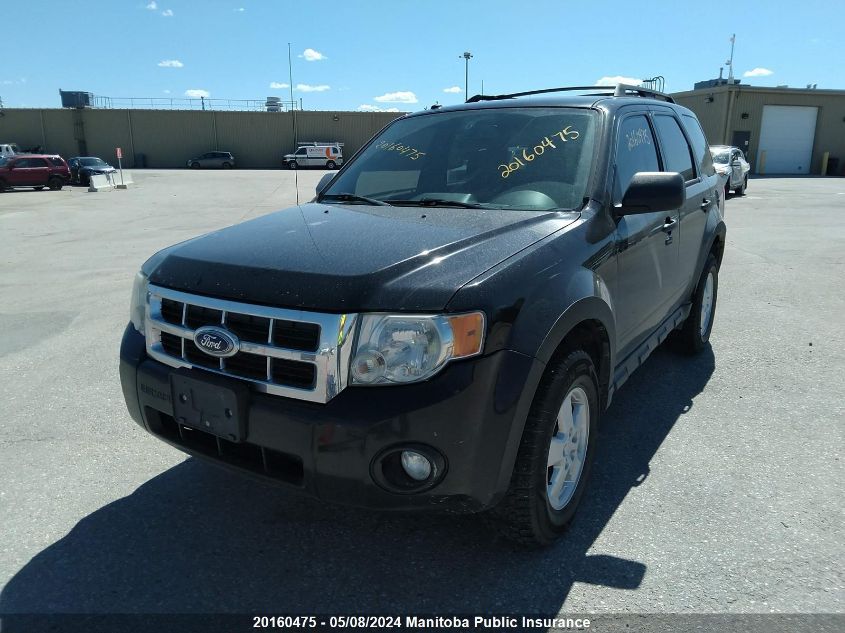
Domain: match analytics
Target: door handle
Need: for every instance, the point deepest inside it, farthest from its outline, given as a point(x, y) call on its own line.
point(705, 204)
point(669, 224)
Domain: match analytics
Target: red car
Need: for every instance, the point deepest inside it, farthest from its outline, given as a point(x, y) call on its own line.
point(33, 170)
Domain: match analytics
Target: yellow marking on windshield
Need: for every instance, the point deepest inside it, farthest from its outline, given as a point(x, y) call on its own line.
point(566, 134)
point(406, 150)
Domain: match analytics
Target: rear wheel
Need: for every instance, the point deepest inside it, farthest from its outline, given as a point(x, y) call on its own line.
point(2, 185)
point(227, 166)
point(695, 333)
point(330, 164)
point(55, 184)
point(195, 165)
point(292, 165)
point(555, 454)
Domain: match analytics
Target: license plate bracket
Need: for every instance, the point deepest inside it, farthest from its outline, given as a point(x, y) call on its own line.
point(211, 404)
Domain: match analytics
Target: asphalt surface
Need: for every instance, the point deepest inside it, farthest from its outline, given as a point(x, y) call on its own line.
point(718, 486)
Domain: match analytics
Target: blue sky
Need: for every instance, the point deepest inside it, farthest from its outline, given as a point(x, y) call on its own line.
point(402, 54)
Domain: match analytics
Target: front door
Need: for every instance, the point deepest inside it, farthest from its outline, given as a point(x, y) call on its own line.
point(647, 243)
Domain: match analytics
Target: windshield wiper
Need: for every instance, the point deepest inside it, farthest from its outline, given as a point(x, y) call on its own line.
point(438, 202)
point(352, 197)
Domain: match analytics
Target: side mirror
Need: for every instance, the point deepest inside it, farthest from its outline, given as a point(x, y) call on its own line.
point(652, 191)
point(323, 182)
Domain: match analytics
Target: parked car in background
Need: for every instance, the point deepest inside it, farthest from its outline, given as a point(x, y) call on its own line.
point(732, 167)
point(9, 149)
point(83, 167)
point(213, 160)
point(315, 154)
point(33, 170)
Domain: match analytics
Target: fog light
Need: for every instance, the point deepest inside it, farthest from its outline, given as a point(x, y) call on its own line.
point(417, 466)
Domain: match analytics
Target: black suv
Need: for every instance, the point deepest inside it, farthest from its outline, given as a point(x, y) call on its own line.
point(441, 327)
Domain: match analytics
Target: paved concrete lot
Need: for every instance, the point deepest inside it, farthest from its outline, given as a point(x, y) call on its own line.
point(718, 485)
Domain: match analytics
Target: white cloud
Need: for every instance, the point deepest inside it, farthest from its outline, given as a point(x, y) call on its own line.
point(758, 72)
point(310, 88)
point(612, 80)
point(454, 89)
point(240, 10)
point(167, 92)
point(12, 82)
point(170, 63)
point(152, 6)
point(311, 55)
point(167, 13)
point(196, 93)
point(275, 85)
point(366, 107)
point(397, 97)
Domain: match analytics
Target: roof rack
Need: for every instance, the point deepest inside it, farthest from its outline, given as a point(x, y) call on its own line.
point(621, 90)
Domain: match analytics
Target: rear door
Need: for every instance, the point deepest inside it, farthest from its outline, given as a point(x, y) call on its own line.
point(685, 150)
point(647, 243)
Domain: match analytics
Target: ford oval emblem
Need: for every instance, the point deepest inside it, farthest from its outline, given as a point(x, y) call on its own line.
point(216, 341)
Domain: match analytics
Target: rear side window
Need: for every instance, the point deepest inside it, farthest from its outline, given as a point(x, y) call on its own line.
point(31, 162)
point(699, 145)
point(635, 152)
point(58, 162)
point(677, 155)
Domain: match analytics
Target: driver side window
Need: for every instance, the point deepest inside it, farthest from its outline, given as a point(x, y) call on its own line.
point(635, 152)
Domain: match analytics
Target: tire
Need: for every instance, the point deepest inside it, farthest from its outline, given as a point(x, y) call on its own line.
point(727, 188)
point(695, 332)
point(331, 165)
point(292, 165)
point(2, 185)
point(55, 184)
point(195, 165)
point(226, 166)
point(740, 189)
point(38, 188)
point(527, 514)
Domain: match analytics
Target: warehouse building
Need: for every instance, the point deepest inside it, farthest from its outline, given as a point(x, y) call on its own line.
point(168, 138)
point(782, 130)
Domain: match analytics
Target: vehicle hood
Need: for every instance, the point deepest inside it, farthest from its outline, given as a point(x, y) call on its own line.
point(97, 170)
point(337, 258)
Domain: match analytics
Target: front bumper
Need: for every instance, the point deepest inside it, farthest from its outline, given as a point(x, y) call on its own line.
point(471, 414)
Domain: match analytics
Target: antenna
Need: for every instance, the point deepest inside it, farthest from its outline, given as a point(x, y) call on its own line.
point(295, 129)
point(730, 61)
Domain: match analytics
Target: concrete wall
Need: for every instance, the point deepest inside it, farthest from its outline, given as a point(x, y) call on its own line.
point(168, 138)
point(722, 116)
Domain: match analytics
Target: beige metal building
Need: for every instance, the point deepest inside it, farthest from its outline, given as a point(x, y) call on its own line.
point(168, 138)
point(781, 130)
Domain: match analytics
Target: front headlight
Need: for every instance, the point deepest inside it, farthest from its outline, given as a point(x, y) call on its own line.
point(138, 303)
point(399, 349)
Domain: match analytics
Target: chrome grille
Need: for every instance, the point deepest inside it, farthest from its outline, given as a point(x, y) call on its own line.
point(293, 353)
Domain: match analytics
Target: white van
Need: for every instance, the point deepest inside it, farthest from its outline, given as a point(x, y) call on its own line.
point(315, 154)
point(9, 149)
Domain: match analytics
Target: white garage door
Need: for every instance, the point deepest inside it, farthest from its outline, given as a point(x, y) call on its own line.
point(786, 137)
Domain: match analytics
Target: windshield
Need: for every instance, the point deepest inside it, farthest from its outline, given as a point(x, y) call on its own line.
point(92, 162)
point(515, 158)
point(721, 157)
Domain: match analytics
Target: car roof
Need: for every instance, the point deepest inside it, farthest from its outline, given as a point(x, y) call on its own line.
point(608, 97)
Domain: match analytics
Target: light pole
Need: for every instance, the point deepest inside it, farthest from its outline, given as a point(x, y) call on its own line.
point(467, 56)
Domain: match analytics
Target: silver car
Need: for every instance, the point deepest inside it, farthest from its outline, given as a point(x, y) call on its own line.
point(731, 165)
point(213, 160)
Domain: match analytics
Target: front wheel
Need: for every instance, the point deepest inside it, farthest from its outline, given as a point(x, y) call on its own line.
point(227, 166)
point(555, 454)
point(331, 164)
point(195, 165)
point(696, 329)
point(292, 165)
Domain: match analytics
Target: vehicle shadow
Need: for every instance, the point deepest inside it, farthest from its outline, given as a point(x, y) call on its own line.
point(197, 539)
